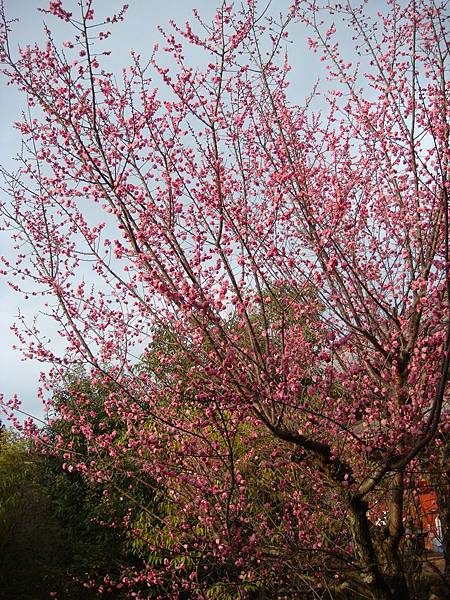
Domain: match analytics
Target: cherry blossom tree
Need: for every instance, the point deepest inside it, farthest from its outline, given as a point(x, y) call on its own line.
point(261, 286)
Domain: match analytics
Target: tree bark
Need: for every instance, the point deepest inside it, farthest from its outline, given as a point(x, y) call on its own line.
point(393, 566)
point(365, 551)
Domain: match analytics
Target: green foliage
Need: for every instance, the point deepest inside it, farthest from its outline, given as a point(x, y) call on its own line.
point(49, 540)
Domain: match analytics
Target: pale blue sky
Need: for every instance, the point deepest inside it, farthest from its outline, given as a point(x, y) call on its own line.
point(138, 32)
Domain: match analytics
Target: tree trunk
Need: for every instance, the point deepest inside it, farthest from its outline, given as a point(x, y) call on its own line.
point(370, 574)
point(393, 567)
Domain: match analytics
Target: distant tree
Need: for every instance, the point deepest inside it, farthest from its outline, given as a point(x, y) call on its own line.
point(50, 536)
point(296, 262)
